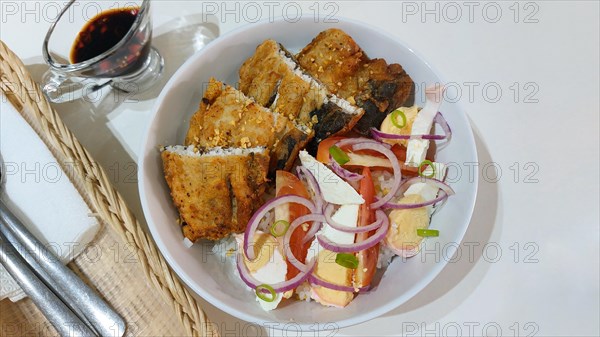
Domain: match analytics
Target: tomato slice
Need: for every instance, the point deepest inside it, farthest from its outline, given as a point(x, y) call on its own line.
point(367, 259)
point(324, 145)
point(286, 183)
point(368, 158)
point(400, 152)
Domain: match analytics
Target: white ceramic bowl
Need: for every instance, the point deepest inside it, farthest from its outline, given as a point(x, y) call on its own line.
point(208, 275)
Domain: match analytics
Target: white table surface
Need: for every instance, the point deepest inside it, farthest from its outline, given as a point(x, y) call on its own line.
point(541, 132)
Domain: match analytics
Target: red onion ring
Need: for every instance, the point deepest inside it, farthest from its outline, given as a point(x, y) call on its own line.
point(278, 287)
point(306, 175)
point(329, 212)
point(355, 247)
point(312, 231)
point(356, 141)
point(439, 198)
point(395, 166)
point(263, 210)
point(318, 219)
point(446, 191)
point(343, 173)
point(309, 180)
point(439, 119)
point(314, 279)
point(431, 181)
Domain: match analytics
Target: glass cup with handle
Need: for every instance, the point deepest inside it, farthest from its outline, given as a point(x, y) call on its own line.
point(92, 44)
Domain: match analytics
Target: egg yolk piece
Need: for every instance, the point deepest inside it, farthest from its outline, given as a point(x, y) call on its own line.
point(402, 236)
point(388, 126)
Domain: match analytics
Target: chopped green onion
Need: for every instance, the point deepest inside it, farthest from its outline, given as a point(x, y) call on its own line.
point(339, 155)
point(264, 290)
point(395, 115)
point(430, 164)
point(427, 232)
point(276, 233)
point(346, 260)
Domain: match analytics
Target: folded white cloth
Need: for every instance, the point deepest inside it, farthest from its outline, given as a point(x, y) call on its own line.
point(40, 194)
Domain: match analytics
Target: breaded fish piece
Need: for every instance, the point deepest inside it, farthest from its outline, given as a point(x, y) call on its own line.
point(275, 80)
point(228, 118)
point(336, 60)
point(215, 192)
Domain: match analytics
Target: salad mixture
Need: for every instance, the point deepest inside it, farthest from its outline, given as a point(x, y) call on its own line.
point(346, 211)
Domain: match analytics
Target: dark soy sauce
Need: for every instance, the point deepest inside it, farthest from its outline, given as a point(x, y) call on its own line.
point(102, 33)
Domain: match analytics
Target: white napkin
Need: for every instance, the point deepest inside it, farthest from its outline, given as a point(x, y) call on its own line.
point(40, 194)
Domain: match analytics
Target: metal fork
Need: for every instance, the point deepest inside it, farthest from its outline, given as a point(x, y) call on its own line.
point(70, 305)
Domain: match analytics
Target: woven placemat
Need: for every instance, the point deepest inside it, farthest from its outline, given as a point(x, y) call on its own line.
point(123, 263)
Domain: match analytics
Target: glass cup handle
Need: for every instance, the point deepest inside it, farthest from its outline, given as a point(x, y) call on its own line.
point(59, 87)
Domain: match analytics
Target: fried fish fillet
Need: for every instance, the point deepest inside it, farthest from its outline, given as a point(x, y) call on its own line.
point(336, 60)
point(274, 79)
point(215, 192)
point(227, 118)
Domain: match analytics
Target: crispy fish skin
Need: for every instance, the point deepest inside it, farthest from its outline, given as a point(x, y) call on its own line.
point(275, 80)
point(262, 73)
point(215, 195)
point(268, 79)
point(228, 118)
point(335, 59)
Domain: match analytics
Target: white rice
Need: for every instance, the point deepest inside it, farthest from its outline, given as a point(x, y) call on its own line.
point(345, 105)
point(304, 292)
point(295, 68)
point(384, 181)
point(192, 151)
point(385, 256)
